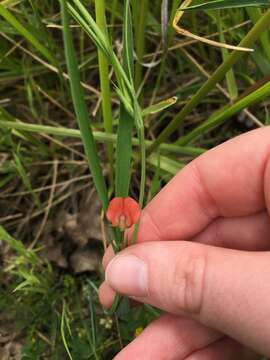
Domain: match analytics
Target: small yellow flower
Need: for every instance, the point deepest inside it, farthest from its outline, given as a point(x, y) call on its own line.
point(138, 331)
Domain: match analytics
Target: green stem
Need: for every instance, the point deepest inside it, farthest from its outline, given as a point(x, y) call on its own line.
point(250, 38)
point(140, 27)
point(98, 136)
point(105, 83)
point(255, 14)
point(140, 130)
point(114, 8)
point(81, 109)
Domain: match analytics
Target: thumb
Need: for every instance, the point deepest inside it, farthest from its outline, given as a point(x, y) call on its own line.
point(224, 289)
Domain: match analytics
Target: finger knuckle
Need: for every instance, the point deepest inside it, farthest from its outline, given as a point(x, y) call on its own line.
point(189, 278)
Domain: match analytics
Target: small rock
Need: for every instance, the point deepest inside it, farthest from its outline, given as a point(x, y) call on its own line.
point(85, 260)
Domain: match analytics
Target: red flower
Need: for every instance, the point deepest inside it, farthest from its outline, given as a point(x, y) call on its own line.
point(123, 212)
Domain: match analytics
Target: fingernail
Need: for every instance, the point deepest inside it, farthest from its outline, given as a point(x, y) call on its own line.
point(127, 274)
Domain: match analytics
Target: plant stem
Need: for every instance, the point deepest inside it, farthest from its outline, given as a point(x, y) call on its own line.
point(114, 8)
point(255, 14)
point(105, 83)
point(99, 136)
point(81, 110)
point(141, 11)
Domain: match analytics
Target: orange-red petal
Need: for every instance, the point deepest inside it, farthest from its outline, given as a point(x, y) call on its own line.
point(132, 210)
point(123, 212)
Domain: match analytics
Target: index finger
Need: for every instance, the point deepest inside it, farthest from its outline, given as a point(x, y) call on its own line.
point(229, 180)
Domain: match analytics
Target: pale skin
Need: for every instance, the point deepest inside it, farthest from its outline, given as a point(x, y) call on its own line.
point(203, 256)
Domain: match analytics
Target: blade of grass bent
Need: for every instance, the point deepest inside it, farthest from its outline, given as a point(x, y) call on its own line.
point(227, 4)
point(249, 39)
point(81, 110)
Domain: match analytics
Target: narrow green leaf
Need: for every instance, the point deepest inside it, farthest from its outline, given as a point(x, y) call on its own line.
point(10, 3)
point(105, 84)
point(13, 243)
point(153, 109)
point(128, 44)
point(123, 153)
point(140, 24)
point(227, 4)
point(81, 110)
point(230, 78)
point(255, 15)
point(64, 324)
point(126, 121)
point(156, 181)
point(164, 163)
point(26, 181)
point(98, 135)
point(140, 130)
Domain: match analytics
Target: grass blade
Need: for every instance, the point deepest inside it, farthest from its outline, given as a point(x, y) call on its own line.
point(105, 83)
point(227, 4)
point(230, 77)
point(81, 110)
point(26, 180)
point(126, 121)
point(162, 105)
point(140, 26)
point(164, 163)
point(65, 323)
point(255, 15)
point(98, 135)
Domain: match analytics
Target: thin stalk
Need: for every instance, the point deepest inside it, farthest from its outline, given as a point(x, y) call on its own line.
point(81, 110)
point(98, 136)
point(105, 83)
point(114, 8)
point(140, 131)
point(255, 14)
point(261, 26)
point(230, 77)
point(140, 27)
point(143, 166)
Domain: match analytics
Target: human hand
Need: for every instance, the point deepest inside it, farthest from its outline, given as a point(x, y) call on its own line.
point(203, 257)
